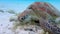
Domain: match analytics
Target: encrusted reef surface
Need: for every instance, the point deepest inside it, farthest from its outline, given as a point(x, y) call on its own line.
point(43, 15)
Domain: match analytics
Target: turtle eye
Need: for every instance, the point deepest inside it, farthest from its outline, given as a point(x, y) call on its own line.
point(24, 17)
point(20, 18)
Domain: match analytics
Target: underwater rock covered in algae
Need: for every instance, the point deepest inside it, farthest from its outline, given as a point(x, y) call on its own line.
point(41, 14)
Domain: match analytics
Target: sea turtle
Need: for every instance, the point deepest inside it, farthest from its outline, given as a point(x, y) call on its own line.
point(41, 17)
